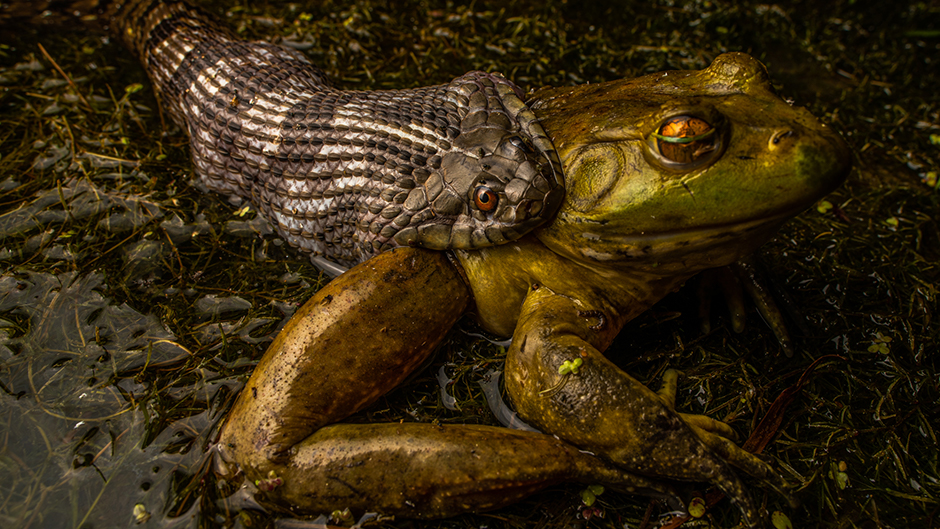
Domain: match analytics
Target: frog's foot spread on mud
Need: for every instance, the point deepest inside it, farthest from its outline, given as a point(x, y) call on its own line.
point(419, 470)
point(702, 422)
point(718, 437)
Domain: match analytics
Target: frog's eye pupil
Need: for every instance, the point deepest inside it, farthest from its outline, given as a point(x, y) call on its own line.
point(686, 139)
point(485, 198)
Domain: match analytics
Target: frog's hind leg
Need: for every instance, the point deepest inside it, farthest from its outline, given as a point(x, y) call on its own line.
point(433, 471)
point(355, 340)
point(358, 338)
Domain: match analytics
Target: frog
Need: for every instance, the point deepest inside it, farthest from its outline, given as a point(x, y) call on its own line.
point(664, 176)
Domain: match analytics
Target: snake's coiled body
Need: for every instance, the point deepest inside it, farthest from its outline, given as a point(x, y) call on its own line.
point(346, 174)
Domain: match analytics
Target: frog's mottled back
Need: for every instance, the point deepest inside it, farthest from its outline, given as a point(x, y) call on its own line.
point(346, 174)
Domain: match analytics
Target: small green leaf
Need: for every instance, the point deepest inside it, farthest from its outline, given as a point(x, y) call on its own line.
point(842, 480)
point(570, 366)
point(780, 520)
point(697, 507)
point(140, 513)
point(588, 497)
point(823, 206)
point(931, 179)
point(344, 515)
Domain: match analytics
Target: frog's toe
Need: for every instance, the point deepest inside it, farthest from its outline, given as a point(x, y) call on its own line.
point(743, 460)
point(724, 281)
point(667, 393)
point(707, 424)
point(738, 493)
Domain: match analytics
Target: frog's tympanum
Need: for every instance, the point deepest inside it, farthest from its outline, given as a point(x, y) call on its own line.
point(664, 176)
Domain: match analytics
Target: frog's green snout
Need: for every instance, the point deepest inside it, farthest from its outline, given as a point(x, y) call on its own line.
point(821, 158)
point(839, 160)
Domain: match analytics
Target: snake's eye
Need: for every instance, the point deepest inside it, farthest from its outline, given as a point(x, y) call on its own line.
point(687, 140)
point(485, 198)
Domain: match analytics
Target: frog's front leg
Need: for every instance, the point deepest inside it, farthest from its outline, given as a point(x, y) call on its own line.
point(560, 381)
point(358, 338)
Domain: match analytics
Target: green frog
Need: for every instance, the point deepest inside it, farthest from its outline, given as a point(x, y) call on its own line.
point(664, 176)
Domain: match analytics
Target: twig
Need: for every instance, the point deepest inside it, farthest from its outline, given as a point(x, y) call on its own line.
point(67, 78)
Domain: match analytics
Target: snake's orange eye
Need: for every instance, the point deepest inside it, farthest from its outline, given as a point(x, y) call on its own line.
point(686, 139)
point(485, 198)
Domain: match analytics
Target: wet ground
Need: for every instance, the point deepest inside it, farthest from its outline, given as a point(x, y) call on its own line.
point(132, 305)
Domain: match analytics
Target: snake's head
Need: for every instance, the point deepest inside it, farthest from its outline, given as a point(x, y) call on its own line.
point(499, 177)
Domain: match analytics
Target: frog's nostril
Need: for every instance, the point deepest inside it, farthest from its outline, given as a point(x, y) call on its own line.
point(780, 136)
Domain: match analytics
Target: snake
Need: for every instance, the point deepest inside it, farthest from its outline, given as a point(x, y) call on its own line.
point(344, 174)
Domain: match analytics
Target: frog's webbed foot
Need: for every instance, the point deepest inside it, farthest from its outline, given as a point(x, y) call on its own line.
point(667, 393)
point(719, 437)
point(744, 276)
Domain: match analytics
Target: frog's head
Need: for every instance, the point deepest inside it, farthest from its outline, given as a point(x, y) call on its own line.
point(686, 169)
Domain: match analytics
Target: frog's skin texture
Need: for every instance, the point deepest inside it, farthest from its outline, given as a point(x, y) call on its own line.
point(632, 228)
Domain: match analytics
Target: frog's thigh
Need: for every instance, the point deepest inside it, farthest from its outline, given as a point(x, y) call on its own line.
point(356, 339)
point(433, 471)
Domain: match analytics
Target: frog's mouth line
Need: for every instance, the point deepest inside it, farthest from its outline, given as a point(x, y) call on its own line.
point(735, 237)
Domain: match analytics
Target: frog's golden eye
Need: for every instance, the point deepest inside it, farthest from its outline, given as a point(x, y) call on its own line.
point(485, 198)
point(687, 140)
